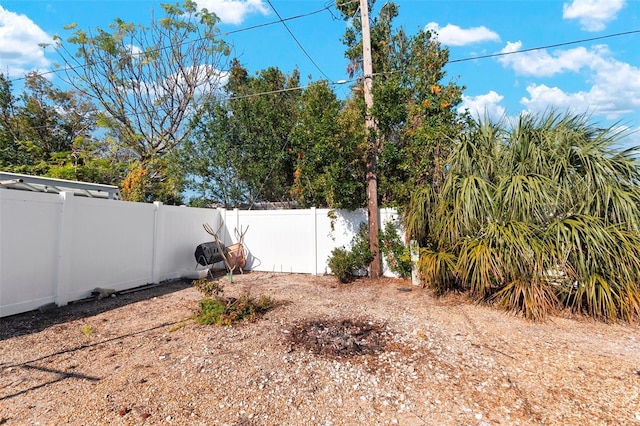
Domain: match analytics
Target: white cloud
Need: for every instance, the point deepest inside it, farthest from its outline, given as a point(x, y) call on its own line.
point(593, 15)
point(19, 39)
point(616, 92)
point(615, 85)
point(453, 35)
point(540, 63)
point(234, 11)
point(481, 105)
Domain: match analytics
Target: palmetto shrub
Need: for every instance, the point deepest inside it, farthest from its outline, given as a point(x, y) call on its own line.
point(536, 216)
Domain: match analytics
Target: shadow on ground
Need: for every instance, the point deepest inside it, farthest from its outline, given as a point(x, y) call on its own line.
point(35, 321)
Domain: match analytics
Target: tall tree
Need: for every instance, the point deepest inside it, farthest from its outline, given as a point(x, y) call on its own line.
point(212, 157)
point(414, 108)
point(328, 141)
point(10, 152)
point(149, 81)
point(264, 111)
point(245, 139)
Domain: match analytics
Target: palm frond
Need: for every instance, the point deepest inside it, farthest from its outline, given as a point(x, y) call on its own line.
point(534, 299)
point(537, 215)
point(417, 216)
point(437, 268)
point(529, 197)
point(606, 299)
point(479, 266)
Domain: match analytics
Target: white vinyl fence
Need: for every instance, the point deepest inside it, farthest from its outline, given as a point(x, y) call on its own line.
point(56, 248)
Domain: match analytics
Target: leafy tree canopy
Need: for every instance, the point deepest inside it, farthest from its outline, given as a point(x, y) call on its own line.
point(47, 131)
point(240, 152)
point(148, 81)
point(414, 108)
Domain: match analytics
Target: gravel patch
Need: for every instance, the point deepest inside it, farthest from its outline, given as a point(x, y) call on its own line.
point(363, 353)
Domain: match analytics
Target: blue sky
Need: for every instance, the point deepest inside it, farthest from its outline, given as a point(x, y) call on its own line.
point(600, 77)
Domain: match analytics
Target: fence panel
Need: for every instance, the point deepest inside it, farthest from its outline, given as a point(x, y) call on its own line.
point(179, 231)
point(112, 245)
point(276, 240)
point(57, 248)
point(29, 225)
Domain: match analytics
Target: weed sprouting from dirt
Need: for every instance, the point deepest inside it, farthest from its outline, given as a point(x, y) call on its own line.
point(87, 330)
point(340, 338)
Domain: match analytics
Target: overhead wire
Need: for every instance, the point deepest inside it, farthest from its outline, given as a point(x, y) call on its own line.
point(516, 52)
point(328, 6)
point(549, 46)
point(297, 41)
point(225, 33)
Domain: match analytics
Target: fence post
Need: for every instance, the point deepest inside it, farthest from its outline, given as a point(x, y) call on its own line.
point(158, 242)
point(65, 246)
point(415, 257)
point(222, 216)
point(236, 216)
point(314, 224)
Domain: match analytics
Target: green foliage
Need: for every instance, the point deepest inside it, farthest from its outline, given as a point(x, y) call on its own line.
point(240, 151)
point(414, 106)
point(328, 144)
point(348, 264)
point(397, 255)
point(212, 157)
point(438, 269)
point(225, 312)
point(46, 131)
point(342, 264)
point(535, 217)
point(308, 146)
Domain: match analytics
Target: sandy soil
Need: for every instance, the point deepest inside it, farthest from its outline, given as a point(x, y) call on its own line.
point(139, 358)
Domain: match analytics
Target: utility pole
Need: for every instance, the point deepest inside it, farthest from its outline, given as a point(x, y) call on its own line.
point(375, 269)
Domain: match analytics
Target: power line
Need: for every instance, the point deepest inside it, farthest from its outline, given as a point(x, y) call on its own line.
point(297, 42)
point(266, 24)
point(327, 7)
point(289, 89)
point(531, 49)
point(549, 46)
point(226, 33)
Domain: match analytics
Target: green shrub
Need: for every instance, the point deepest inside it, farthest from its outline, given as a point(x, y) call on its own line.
point(346, 264)
point(210, 311)
point(221, 311)
point(397, 255)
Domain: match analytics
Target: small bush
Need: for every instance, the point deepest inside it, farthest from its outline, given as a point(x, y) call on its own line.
point(341, 264)
point(220, 311)
point(397, 255)
point(347, 264)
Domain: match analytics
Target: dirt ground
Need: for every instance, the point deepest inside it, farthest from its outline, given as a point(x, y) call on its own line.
point(140, 358)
